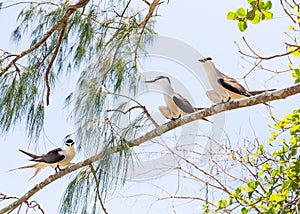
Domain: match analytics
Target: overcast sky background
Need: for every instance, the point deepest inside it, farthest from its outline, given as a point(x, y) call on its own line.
point(203, 26)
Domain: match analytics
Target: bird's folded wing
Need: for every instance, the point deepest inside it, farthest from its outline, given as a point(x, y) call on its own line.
point(183, 104)
point(52, 156)
point(232, 85)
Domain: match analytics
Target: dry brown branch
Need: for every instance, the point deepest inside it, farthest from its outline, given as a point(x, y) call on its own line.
point(257, 56)
point(29, 204)
point(97, 188)
point(61, 36)
point(251, 101)
point(152, 7)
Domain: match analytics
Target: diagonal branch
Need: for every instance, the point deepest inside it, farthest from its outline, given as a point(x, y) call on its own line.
point(152, 7)
point(257, 56)
point(215, 109)
point(60, 39)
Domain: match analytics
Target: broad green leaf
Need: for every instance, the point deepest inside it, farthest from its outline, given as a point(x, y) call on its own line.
point(286, 184)
point(242, 25)
point(244, 210)
point(266, 15)
point(252, 2)
point(256, 18)
point(241, 12)
point(276, 198)
point(261, 149)
point(267, 5)
point(231, 16)
point(294, 53)
point(222, 203)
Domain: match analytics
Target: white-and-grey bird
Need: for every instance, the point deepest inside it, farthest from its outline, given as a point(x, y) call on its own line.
point(57, 158)
point(225, 88)
point(177, 105)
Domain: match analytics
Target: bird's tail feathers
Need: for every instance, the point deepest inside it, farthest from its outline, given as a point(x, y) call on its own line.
point(198, 108)
point(261, 91)
point(38, 168)
point(24, 167)
point(29, 154)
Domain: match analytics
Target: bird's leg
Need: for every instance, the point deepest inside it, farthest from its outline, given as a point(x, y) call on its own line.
point(229, 98)
point(57, 168)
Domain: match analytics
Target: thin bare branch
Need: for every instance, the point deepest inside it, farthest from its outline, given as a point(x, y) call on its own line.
point(97, 188)
point(61, 36)
point(257, 56)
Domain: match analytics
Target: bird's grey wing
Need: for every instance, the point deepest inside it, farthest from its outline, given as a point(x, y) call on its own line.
point(183, 103)
point(52, 156)
point(29, 154)
point(234, 86)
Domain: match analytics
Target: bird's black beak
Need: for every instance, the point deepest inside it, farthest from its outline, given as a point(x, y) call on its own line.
point(149, 81)
point(205, 59)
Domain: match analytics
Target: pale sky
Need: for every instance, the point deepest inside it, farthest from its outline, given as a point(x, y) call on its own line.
point(203, 26)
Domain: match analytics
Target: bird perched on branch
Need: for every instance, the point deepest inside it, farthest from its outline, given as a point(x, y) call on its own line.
point(177, 105)
point(225, 88)
point(57, 158)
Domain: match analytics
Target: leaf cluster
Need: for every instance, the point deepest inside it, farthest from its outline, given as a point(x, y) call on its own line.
point(275, 187)
point(258, 10)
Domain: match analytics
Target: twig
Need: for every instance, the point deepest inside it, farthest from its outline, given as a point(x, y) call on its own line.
point(61, 36)
point(97, 188)
point(144, 23)
point(257, 56)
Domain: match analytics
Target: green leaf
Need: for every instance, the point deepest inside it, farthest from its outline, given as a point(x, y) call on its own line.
point(256, 18)
point(222, 204)
point(252, 2)
point(294, 53)
point(242, 25)
point(293, 152)
point(244, 210)
point(267, 5)
point(276, 198)
point(261, 5)
point(241, 12)
point(261, 149)
point(231, 16)
point(266, 15)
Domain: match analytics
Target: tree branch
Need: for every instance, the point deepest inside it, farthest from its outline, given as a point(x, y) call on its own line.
point(215, 109)
point(257, 56)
